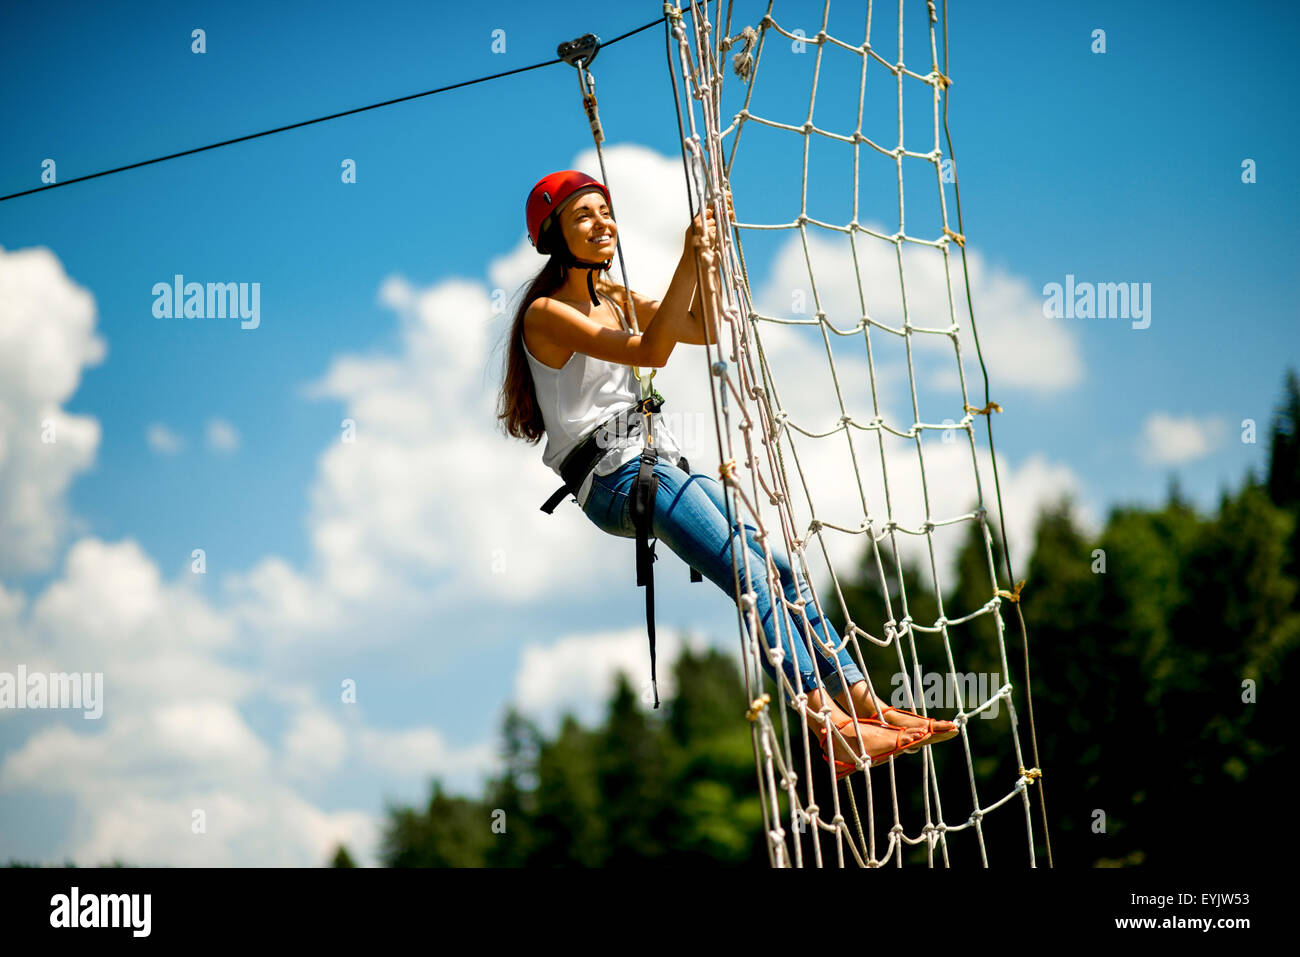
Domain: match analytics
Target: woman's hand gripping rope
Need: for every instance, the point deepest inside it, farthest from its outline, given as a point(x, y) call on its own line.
point(702, 239)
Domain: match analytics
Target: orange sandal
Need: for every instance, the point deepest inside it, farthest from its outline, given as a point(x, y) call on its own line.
point(932, 734)
point(848, 766)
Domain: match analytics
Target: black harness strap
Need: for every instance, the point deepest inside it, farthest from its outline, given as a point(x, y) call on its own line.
point(579, 462)
point(644, 490)
point(643, 509)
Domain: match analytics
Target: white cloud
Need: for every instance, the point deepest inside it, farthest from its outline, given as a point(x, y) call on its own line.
point(577, 673)
point(416, 750)
point(315, 743)
point(222, 436)
point(139, 780)
point(111, 606)
point(151, 822)
point(163, 440)
point(174, 736)
point(47, 337)
point(273, 598)
point(204, 742)
point(1170, 440)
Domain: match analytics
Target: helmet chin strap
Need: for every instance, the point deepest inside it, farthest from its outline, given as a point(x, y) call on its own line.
point(573, 262)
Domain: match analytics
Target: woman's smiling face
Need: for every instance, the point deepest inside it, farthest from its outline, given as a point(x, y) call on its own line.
point(588, 228)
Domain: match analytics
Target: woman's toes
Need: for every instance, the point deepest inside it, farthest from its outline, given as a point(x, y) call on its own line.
point(889, 740)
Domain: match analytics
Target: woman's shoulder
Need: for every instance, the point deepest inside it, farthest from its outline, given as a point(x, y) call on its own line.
point(545, 311)
point(537, 344)
point(539, 305)
point(541, 313)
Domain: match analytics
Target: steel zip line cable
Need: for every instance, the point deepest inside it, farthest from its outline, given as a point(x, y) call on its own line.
point(319, 119)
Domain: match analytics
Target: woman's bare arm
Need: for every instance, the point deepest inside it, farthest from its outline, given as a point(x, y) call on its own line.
point(687, 329)
point(684, 304)
point(567, 328)
point(692, 333)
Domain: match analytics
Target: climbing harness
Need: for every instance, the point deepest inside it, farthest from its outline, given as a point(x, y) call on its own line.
point(583, 459)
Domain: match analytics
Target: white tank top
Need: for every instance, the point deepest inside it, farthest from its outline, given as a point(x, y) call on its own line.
point(581, 394)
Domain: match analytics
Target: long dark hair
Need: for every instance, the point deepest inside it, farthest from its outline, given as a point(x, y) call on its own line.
point(517, 406)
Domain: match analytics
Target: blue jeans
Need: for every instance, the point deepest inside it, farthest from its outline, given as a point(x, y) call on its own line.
point(690, 517)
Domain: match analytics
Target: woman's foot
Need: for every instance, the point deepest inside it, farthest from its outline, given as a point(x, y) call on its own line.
point(869, 741)
point(872, 709)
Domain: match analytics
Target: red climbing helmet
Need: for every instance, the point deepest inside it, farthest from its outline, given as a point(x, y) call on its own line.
point(552, 192)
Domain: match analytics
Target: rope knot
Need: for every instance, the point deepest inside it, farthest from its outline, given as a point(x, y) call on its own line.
point(743, 62)
point(1014, 594)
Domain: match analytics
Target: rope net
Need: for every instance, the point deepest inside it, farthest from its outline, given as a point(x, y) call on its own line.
point(763, 440)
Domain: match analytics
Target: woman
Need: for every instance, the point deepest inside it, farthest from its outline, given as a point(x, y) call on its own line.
point(569, 373)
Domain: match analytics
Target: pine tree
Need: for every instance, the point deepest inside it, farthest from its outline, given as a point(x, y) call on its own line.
point(342, 858)
point(1284, 447)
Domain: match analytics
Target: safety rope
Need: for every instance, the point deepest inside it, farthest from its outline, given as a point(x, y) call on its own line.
point(580, 53)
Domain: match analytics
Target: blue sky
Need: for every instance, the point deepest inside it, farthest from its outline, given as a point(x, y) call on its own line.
point(1122, 166)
